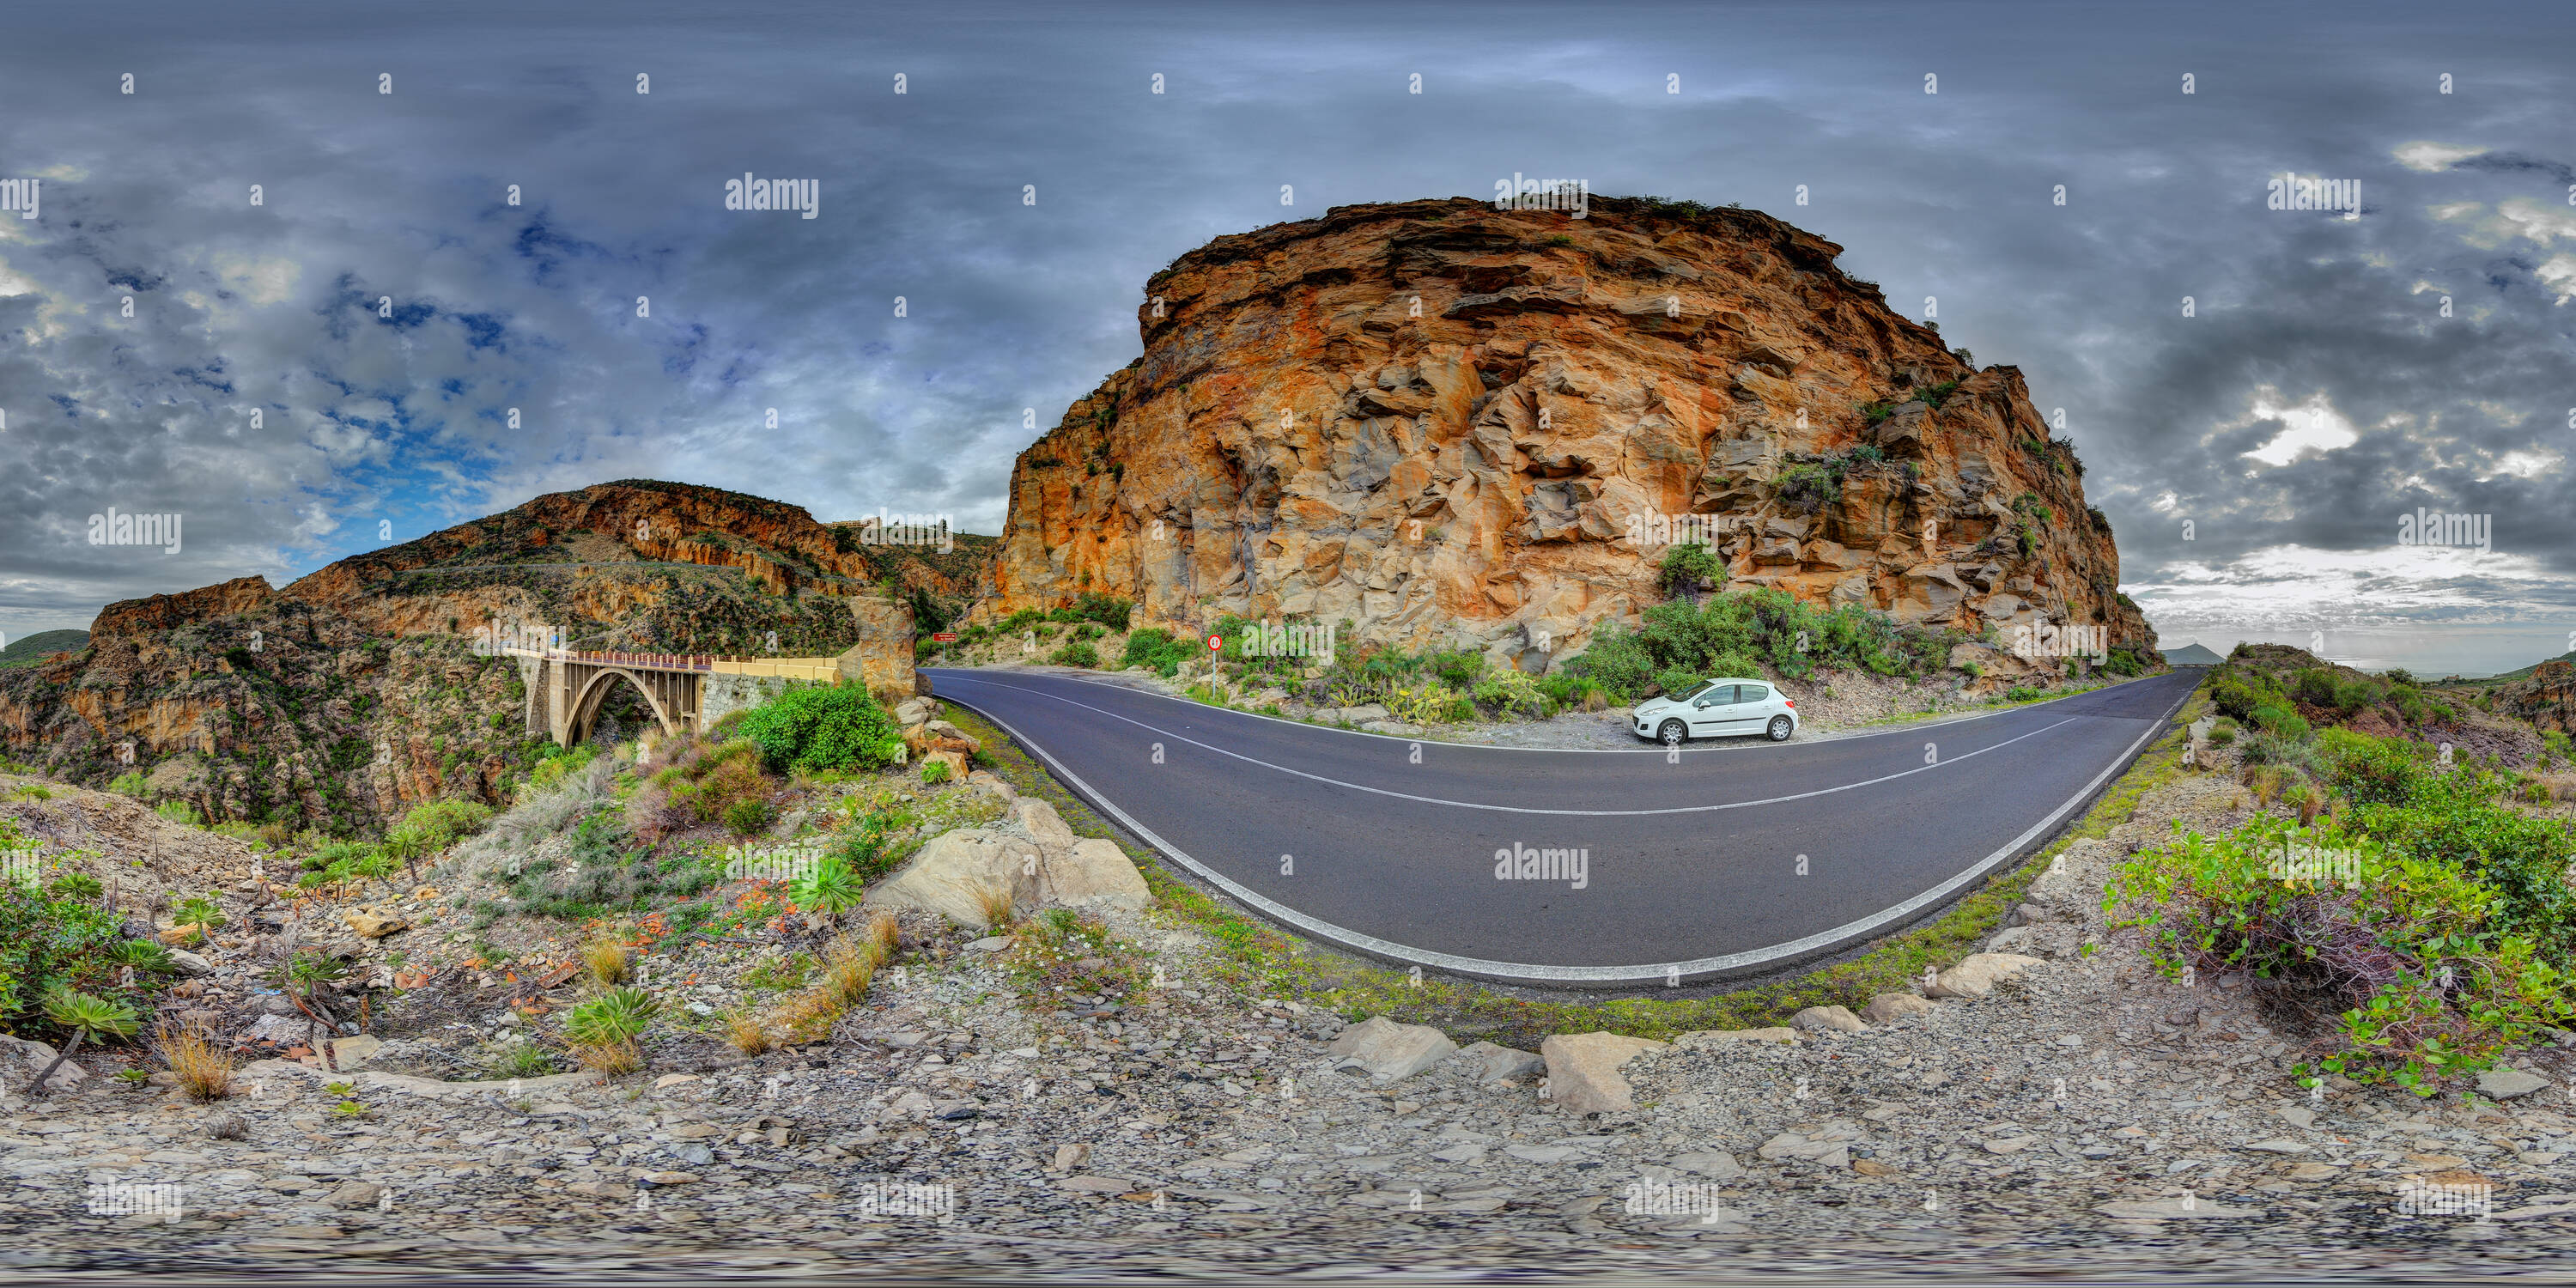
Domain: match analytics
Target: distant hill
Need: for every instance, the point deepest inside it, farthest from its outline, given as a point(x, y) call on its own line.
point(2525, 673)
point(2191, 655)
point(41, 645)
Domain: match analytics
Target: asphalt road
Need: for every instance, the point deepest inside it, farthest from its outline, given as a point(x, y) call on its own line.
point(1704, 864)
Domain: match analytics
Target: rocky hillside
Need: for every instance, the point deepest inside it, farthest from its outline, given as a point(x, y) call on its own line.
point(1449, 424)
point(2546, 697)
point(356, 692)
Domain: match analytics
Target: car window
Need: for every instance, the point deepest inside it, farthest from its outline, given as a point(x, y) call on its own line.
point(1752, 692)
point(1717, 695)
point(1695, 691)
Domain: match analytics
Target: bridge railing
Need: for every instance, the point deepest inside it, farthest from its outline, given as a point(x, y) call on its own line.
point(793, 668)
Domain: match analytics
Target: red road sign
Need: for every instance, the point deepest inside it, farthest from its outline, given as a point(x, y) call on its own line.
point(944, 637)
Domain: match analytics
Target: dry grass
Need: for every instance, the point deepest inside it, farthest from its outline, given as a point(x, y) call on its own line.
point(885, 934)
point(604, 959)
point(808, 1016)
point(608, 1058)
point(205, 1068)
point(2562, 787)
point(747, 1032)
point(994, 900)
point(848, 969)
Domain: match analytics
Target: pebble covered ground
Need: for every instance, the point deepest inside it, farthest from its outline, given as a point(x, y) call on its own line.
point(2085, 1118)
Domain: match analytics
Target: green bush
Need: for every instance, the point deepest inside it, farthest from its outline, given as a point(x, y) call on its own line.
point(1108, 611)
point(1728, 631)
point(1155, 650)
point(2024, 693)
point(179, 812)
point(1075, 653)
point(1430, 702)
point(934, 772)
point(2410, 962)
point(2281, 722)
point(1684, 567)
point(136, 784)
point(822, 728)
point(52, 942)
point(1458, 668)
point(444, 823)
point(1512, 693)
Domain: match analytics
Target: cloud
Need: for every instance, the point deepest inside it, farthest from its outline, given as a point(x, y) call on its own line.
point(2431, 157)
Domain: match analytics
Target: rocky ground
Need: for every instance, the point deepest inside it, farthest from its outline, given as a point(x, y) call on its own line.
point(996, 1107)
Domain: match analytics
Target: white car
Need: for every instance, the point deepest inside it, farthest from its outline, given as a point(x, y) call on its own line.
point(1719, 709)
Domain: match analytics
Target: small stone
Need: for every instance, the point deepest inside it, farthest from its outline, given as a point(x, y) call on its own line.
point(1887, 1008)
point(1096, 1185)
point(1872, 1167)
point(1827, 1019)
point(1496, 1065)
point(665, 1178)
point(374, 923)
point(2277, 1147)
point(1978, 975)
point(2303, 1119)
point(2505, 1084)
point(2011, 1145)
point(355, 1194)
point(2175, 1209)
point(1071, 1154)
point(1717, 1165)
point(1389, 1051)
point(2311, 1171)
point(670, 1080)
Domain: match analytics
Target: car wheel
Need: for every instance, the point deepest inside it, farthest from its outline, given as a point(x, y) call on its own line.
point(1673, 733)
point(1780, 728)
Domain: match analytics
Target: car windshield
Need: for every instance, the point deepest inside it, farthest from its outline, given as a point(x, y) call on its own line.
point(1695, 691)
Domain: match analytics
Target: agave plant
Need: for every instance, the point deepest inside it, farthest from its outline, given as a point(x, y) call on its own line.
point(829, 889)
point(616, 1016)
point(87, 1016)
point(198, 915)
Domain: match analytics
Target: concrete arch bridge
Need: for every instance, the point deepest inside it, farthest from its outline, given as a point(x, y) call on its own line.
point(686, 692)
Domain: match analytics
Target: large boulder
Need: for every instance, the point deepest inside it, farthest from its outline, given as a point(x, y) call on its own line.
point(1095, 872)
point(1827, 1019)
point(1497, 1066)
point(1583, 1070)
point(21, 1059)
point(951, 873)
point(1387, 1051)
point(1887, 1008)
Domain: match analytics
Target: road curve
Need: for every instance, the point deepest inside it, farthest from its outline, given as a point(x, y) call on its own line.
point(1698, 865)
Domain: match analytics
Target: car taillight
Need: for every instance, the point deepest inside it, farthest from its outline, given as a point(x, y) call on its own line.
point(1791, 703)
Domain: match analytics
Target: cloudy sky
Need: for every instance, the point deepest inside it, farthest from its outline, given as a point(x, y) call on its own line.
point(2332, 375)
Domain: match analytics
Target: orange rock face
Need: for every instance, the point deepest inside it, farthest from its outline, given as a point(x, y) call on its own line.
point(2546, 697)
point(1456, 426)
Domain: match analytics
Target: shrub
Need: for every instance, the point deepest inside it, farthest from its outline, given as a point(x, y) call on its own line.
point(2281, 722)
point(2024, 693)
point(179, 812)
point(50, 943)
point(204, 1065)
point(603, 1030)
point(1428, 703)
point(1685, 566)
point(1154, 649)
point(831, 888)
point(2407, 963)
point(1109, 611)
point(1512, 693)
point(136, 784)
point(822, 728)
point(1075, 653)
point(2222, 734)
point(934, 772)
point(444, 823)
point(1457, 668)
point(749, 816)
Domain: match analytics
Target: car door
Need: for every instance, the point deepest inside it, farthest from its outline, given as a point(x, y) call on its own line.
point(1752, 709)
point(1712, 711)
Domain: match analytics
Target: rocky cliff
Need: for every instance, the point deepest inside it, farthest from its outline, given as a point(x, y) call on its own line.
point(358, 691)
point(1454, 425)
point(2546, 697)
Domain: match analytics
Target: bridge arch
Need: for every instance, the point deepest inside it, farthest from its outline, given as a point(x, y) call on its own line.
point(595, 690)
